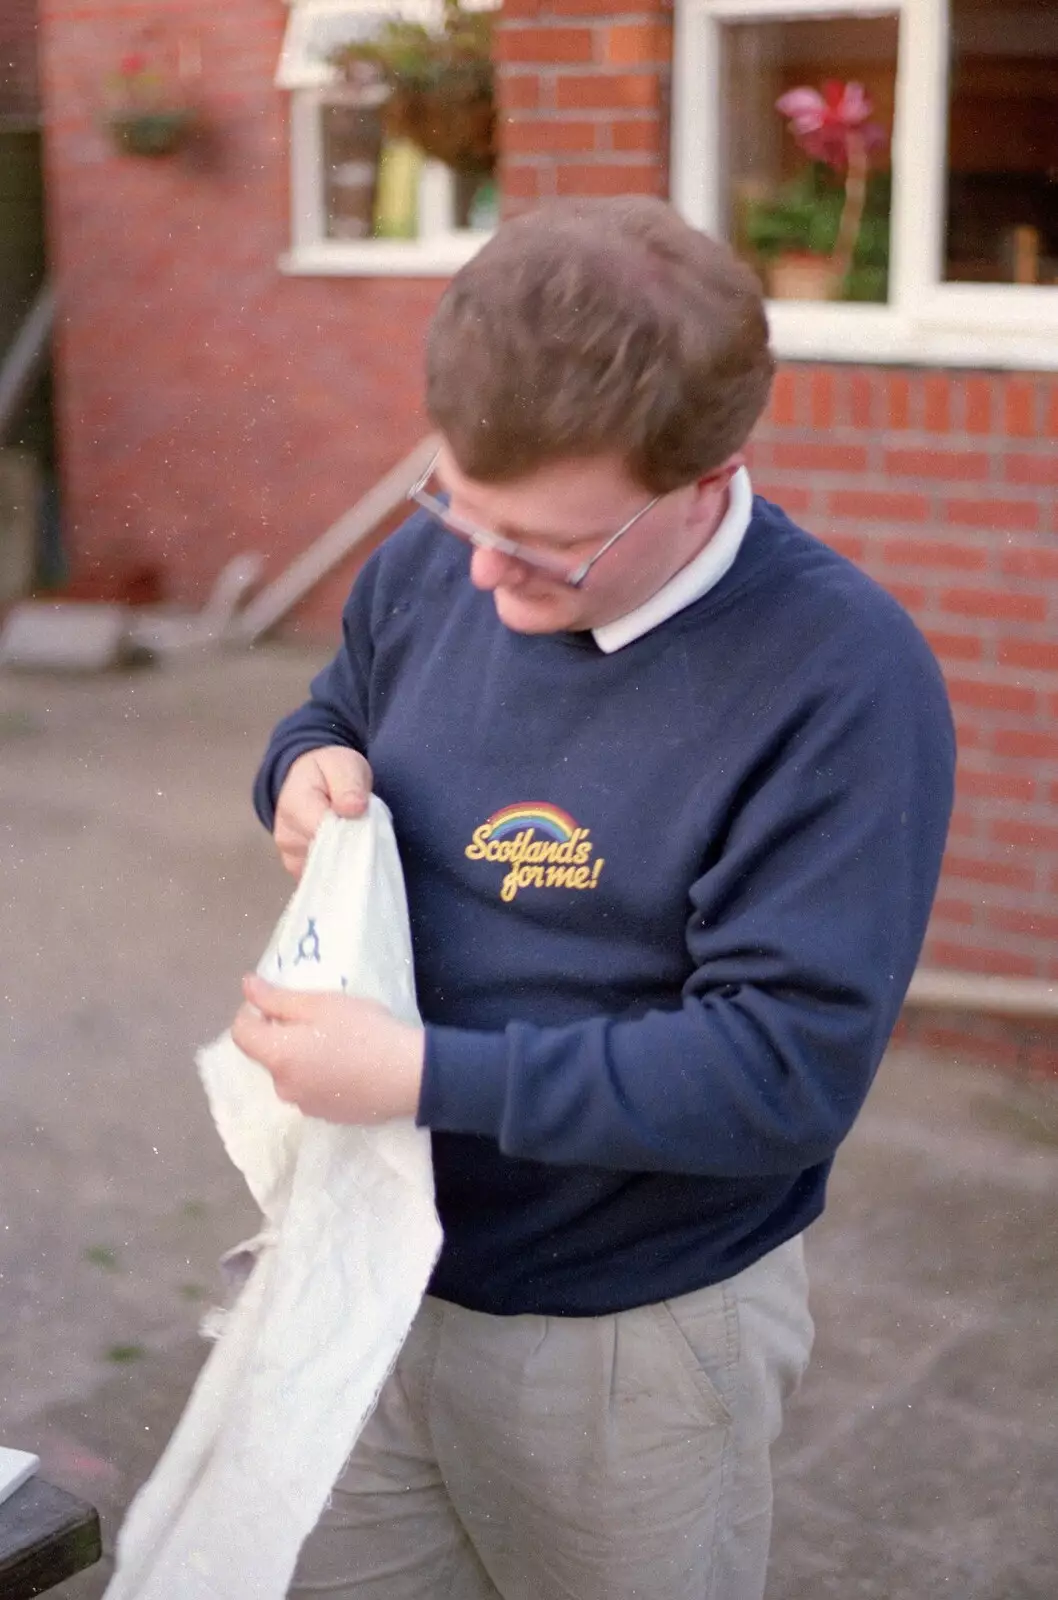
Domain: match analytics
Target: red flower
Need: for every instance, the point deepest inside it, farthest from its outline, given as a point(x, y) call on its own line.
point(132, 65)
point(822, 123)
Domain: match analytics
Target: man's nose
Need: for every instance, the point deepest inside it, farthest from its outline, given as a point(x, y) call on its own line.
point(490, 568)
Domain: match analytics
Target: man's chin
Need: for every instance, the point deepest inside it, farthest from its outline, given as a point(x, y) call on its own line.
point(536, 613)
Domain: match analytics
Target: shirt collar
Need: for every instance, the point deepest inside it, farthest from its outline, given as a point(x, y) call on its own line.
point(693, 580)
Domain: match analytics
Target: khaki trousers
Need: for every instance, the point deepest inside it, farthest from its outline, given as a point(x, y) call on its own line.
point(592, 1458)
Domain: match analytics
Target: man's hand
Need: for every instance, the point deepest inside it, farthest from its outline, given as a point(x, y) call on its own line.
point(331, 779)
point(333, 1056)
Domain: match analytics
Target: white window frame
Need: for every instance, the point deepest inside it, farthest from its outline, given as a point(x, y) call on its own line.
point(440, 249)
point(926, 321)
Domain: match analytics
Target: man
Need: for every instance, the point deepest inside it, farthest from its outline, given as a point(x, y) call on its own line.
point(671, 782)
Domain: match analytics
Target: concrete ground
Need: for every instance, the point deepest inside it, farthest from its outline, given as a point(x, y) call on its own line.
point(920, 1460)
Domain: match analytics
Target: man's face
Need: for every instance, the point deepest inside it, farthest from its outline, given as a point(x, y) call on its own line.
point(568, 510)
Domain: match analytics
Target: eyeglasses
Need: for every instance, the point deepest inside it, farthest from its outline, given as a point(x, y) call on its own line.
point(482, 539)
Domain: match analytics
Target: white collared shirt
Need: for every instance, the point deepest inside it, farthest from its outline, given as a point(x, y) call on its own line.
point(693, 580)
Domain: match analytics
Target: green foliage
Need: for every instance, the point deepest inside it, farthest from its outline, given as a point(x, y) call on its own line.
point(804, 216)
point(456, 61)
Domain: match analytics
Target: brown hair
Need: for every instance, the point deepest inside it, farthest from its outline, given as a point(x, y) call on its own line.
point(592, 327)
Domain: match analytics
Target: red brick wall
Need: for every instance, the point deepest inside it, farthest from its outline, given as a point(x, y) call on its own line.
point(943, 486)
point(19, 94)
point(584, 94)
point(207, 403)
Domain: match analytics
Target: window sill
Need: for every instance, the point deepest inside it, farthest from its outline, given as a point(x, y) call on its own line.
point(385, 258)
point(806, 331)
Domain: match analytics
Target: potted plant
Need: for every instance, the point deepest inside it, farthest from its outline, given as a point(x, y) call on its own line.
point(440, 85)
point(825, 234)
point(146, 115)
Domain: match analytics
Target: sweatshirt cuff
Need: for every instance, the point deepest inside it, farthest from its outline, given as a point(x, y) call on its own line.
point(464, 1082)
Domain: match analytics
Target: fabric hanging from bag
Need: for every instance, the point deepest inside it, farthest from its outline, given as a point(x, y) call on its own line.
point(350, 1235)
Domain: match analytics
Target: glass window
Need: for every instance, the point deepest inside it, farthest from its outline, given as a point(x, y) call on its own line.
point(352, 145)
point(1002, 179)
point(806, 123)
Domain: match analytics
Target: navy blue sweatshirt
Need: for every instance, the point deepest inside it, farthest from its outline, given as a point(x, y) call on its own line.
point(665, 903)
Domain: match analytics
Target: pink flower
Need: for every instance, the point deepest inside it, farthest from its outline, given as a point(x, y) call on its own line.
point(822, 123)
point(132, 65)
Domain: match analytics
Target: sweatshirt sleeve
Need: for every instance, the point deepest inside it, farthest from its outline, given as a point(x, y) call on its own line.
point(338, 708)
point(804, 933)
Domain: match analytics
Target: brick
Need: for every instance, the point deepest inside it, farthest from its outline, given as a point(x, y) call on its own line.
point(981, 869)
point(971, 958)
point(1025, 745)
point(946, 465)
point(1022, 515)
point(936, 402)
point(583, 8)
point(1024, 835)
point(1051, 421)
point(1036, 655)
point(645, 136)
point(1041, 471)
point(624, 91)
point(862, 389)
point(521, 182)
point(518, 91)
point(1031, 924)
point(912, 596)
point(521, 10)
point(1019, 407)
point(558, 46)
point(603, 178)
point(955, 646)
point(978, 402)
point(996, 786)
point(638, 44)
point(1031, 563)
point(963, 824)
point(811, 457)
point(948, 908)
point(821, 397)
point(782, 410)
point(848, 545)
point(898, 400)
point(988, 696)
point(878, 505)
point(998, 603)
point(532, 136)
point(794, 498)
point(941, 553)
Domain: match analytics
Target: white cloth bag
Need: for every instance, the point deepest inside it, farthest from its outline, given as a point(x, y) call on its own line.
point(349, 1241)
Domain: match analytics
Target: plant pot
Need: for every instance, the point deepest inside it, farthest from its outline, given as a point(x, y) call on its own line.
point(798, 276)
point(459, 130)
point(150, 133)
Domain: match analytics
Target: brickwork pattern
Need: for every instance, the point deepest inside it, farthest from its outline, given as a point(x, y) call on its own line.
point(208, 404)
point(584, 97)
point(943, 486)
point(19, 84)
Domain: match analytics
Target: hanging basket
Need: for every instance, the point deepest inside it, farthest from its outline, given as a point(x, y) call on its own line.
point(459, 130)
point(150, 133)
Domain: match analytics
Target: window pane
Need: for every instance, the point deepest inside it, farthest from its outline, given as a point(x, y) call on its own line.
point(352, 145)
point(1002, 222)
point(806, 186)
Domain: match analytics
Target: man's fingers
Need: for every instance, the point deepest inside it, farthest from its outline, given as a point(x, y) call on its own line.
point(255, 1036)
point(347, 779)
point(276, 1004)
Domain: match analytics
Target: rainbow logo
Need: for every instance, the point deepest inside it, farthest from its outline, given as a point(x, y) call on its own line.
point(547, 820)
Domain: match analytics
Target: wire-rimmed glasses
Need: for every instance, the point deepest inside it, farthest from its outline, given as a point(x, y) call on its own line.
point(483, 539)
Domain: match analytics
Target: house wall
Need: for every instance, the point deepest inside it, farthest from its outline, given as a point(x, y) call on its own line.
point(210, 405)
point(19, 91)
